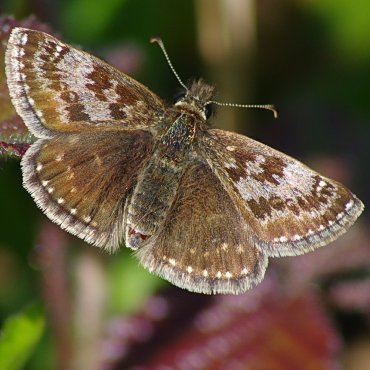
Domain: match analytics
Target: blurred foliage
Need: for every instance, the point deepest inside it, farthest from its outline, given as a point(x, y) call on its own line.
point(19, 335)
point(348, 27)
point(312, 60)
point(259, 329)
point(87, 10)
point(127, 280)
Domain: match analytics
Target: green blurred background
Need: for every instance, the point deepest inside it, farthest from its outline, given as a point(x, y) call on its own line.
point(311, 58)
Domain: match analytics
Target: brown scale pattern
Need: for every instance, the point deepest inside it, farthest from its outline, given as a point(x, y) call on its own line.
point(288, 217)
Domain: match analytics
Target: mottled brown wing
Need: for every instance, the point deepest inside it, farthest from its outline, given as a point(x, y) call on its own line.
point(81, 181)
point(57, 88)
point(204, 244)
point(290, 208)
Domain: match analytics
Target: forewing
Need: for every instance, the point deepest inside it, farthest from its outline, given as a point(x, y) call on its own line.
point(57, 88)
point(204, 244)
point(81, 181)
point(290, 208)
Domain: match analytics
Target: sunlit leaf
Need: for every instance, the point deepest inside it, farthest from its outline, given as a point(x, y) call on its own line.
point(19, 336)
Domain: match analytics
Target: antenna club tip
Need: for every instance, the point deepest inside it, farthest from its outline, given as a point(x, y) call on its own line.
point(157, 40)
point(275, 111)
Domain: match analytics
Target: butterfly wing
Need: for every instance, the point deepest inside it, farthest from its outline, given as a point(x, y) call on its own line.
point(204, 245)
point(290, 208)
point(57, 88)
point(81, 181)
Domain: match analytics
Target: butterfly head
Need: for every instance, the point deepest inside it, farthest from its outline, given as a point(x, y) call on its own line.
point(198, 97)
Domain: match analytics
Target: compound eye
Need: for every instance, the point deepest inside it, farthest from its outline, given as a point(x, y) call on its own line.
point(179, 96)
point(209, 109)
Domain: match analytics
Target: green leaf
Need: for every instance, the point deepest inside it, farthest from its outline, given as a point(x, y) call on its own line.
point(348, 25)
point(87, 19)
point(19, 336)
point(126, 297)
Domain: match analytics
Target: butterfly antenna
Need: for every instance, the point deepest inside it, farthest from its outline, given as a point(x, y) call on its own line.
point(265, 106)
point(269, 107)
point(161, 45)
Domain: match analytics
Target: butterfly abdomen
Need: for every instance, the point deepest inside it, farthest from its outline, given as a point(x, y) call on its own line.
point(157, 185)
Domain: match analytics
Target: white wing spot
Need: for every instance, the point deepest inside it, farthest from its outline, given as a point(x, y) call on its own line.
point(50, 190)
point(231, 163)
point(296, 237)
point(230, 148)
point(340, 215)
point(309, 232)
point(205, 273)
point(219, 274)
point(349, 205)
point(322, 183)
point(31, 101)
point(87, 219)
point(164, 257)
point(45, 182)
point(172, 261)
point(59, 157)
point(245, 271)
point(73, 211)
point(39, 113)
point(189, 269)
point(321, 227)
point(331, 223)
point(17, 76)
point(283, 239)
point(60, 200)
point(24, 39)
point(39, 167)
point(228, 274)
point(73, 189)
point(16, 54)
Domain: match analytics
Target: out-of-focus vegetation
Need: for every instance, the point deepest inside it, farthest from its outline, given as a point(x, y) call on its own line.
point(19, 336)
point(311, 59)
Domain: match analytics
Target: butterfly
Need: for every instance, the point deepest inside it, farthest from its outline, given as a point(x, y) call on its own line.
point(113, 164)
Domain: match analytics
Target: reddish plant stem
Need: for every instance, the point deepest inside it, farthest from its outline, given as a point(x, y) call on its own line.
point(51, 259)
